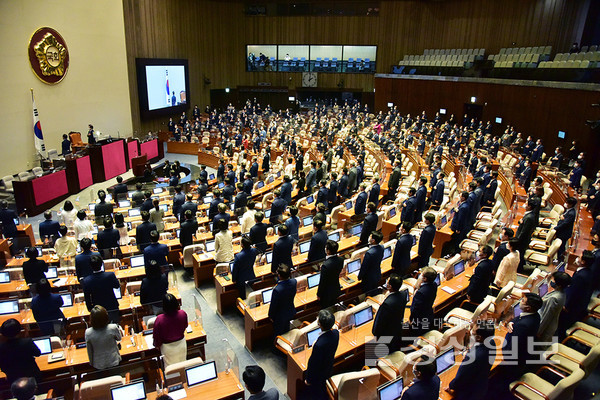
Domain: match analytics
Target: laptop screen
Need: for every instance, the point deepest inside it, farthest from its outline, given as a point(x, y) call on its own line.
point(129, 194)
point(353, 266)
point(268, 213)
point(270, 180)
point(131, 391)
point(445, 360)
point(211, 176)
point(164, 207)
point(363, 316)
point(304, 247)
point(124, 203)
point(207, 199)
point(9, 307)
point(459, 267)
point(39, 250)
point(221, 185)
point(444, 220)
point(210, 245)
point(67, 299)
point(348, 204)
point(356, 230)
point(387, 252)
point(391, 390)
point(92, 206)
point(44, 345)
point(201, 373)
point(335, 236)
point(310, 199)
point(266, 296)
point(4, 277)
point(561, 267)
point(543, 289)
point(517, 310)
point(438, 279)
point(393, 213)
point(52, 273)
point(260, 185)
point(117, 292)
point(157, 190)
point(137, 261)
point(313, 280)
point(134, 212)
point(312, 336)
point(269, 257)
point(306, 221)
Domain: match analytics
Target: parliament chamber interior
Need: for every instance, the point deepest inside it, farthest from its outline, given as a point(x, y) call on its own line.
point(357, 200)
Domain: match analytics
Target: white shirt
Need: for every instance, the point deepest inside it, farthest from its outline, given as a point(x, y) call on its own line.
point(83, 229)
point(223, 246)
point(289, 170)
point(68, 217)
point(247, 221)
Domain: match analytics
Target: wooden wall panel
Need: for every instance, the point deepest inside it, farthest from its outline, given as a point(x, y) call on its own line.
point(537, 111)
point(212, 35)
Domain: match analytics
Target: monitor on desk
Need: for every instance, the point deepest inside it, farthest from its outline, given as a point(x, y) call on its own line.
point(67, 299)
point(221, 185)
point(201, 373)
point(92, 206)
point(260, 185)
point(543, 289)
point(39, 250)
point(52, 273)
point(391, 390)
point(270, 180)
point(210, 245)
point(444, 220)
point(129, 194)
point(561, 267)
point(211, 176)
point(278, 173)
point(124, 204)
point(44, 345)
point(310, 199)
point(307, 221)
point(312, 336)
point(335, 236)
point(130, 391)
point(348, 205)
point(207, 199)
point(266, 296)
point(164, 207)
point(387, 252)
point(269, 257)
point(157, 190)
point(363, 316)
point(356, 230)
point(16, 221)
point(313, 280)
point(304, 247)
point(9, 307)
point(392, 212)
point(4, 277)
point(445, 360)
point(353, 266)
point(459, 267)
point(268, 213)
point(117, 292)
point(137, 261)
point(134, 212)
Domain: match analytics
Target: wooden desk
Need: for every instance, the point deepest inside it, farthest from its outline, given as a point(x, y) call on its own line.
point(183, 147)
point(226, 386)
point(208, 159)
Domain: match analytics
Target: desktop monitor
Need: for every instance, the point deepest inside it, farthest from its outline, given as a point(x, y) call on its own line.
point(211, 176)
point(130, 193)
point(268, 213)
point(92, 206)
point(4, 277)
point(348, 204)
point(312, 336)
point(356, 230)
point(207, 199)
point(387, 252)
point(335, 236)
point(52, 273)
point(392, 212)
point(134, 212)
point(459, 268)
point(543, 289)
point(304, 247)
point(445, 360)
point(124, 204)
point(391, 390)
point(266, 296)
point(210, 245)
point(130, 391)
point(164, 207)
point(117, 292)
point(157, 190)
point(201, 373)
point(67, 299)
point(44, 345)
point(269, 256)
point(363, 316)
point(16, 221)
point(353, 266)
point(270, 180)
point(221, 185)
point(310, 199)
point(137, 261)
point(444, 220)
point(9, 307)
point(307, 221)
point(561, 267)
point(313, 280)
point(260, 185)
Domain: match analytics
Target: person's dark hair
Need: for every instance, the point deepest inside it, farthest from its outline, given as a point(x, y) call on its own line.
point(534, 301)
point(426, 366)
point(326, 320)
point(587, 258)
point(222, 225)
point(10, 328)
point(562, 279)
point(254, 378)
point(486, 251)
point(284, 271)
point(156, 204)
point(222, 207)
point(119, 179)
point(81, 215)
point(108, 223)
point(145, 215)
point(170, 304)
point(101, 195)
point(429, 274)
point(246, 242)
point(259, 216)
point(412, 191)
point(24, 388)
point(85, 243)
point(164, 397)
point(571, 201)
point(153, 270)
point(96, 263)
point(318, 224)
point(509, 232)
point(513, 243)
point(377, 236)
point(250, 205)
point(138, 186)
point(68, 206)
point(464, 196)
point(98, 317)
point(332, 247)
point(430, 217)
point(407, 226)
point(48, 215)
point(293, 210)
point(154, 236)
point(283, 230)
point(43, 287)
point(395, 282)
point(63, 230)
point(31, 252)
point(178, 188)
point(371, 207)
point(188, 214)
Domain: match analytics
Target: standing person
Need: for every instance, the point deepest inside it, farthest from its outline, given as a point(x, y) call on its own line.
point(401, 259)
point(17, 354)
point(320, 363)
point(169, 331)
point(329, 284)
point(156, 251)
point(369, 224)
point(178, 200)
point(361, 202)
point(46, 309)
point(421, 309)
point(102, 340)
point(578, 293)
point(247, 220)
point(7, 217)
point(507, 270)
point(461, 221)
point(188, 229)
point(83, 265)
point(282, 249)
point(154, 286)
point(386, 320)
point(34, 268)
point(409, 207)
point(293, 223)
point(157, 215)
point(479, 283)
point(223, 243)
point(65, 246)
point(68, 214)
point(281, 308)
point(316, 252)
point(426, 384)
point(564, 226)
point(48, 228)
point(421, 197)
point(108, 239)
point(523, 329)
point(258, 233)
point(124, 238)
point(552, 305)
point(425, 249)
point(142, 232)
point(374, 192)
point(103, 209)
point(243, 266)
point(254, 380)
point(98, 289)
point(83, 227)
point(502, 250)
point(394, 181)
point(370, 268)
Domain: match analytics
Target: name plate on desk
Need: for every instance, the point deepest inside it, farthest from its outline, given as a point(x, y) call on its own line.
point(80, 345)
point(298, 349)
point(448, 290)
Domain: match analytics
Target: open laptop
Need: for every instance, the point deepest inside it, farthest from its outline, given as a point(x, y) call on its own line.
point(269, 257)
point(43, 344)
point(312, 336)
point(134, 212)
point(335, 236)
point(304, 247)
point(353, 266)
point(313, 280)
point(348, 204)
point(260, 185)
point(157, 190)
point(67, 299)
point(201, 373)
point(517, 310)
point(92, 206)
point(221, 185)
point(4, 277)
point(392, 212)
point(363, 316)
point(445, 360)
point(268, 213)
point(211, 176)
point(130, 391)
point(207, 199)
point(307, 221)
point(164, 207)
point(266, 296)
point(543, 288)
point(387, 252)
point(52, 273)
point(124, 204)
point(310, 199)
point(356, 230)
point(391, 390)
point(9, 307)
point(270, 180)
point(137, 261)
point(459, 268)
point(210, 245)
point(438, 279)
point(117, 292)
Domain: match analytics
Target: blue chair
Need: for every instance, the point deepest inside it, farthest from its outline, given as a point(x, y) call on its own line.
point(301, 63)
point(326, 63)
point(367, 63)
point(318, 63)
point(334, 63)
point(294, 62)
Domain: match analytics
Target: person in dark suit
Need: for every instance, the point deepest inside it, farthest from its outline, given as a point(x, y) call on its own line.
point(374, 192)
point(578, 294)
point(421, 199)
point(154, 287)
point(490, 190)
point(282, 249)
point(46, 309)
point(311, 178)
point(240, 201)
point(394, 181)
point(203, 175)
point(525, 175)
point(228, 190)
point(282, 309)
point(329, 285)
point(277, 208)
point(120, 189)
point(142, 232)
point(401, 259)
point(83, 267)
point(65, 145)
point(33, 268)
point(502, 250)
point(98, 289)
point(352, 178)
point(221, 216)
point(387, 321)
point(221, 170)
point(213, 209)
point(188, 229)
point(471, 380)
point(538, 150)
point(320, 363)
point(523, 330)
point(369, 224)
point(525, 231)
point(425, 249)
point(7, 218)
point(370, 268)
point(254, 168)
point(156, 251)
point(437, 194)
point(189, 205)
point(178, 200)
point(243, 266)
point(343, 185)
point(48, 227)
point(254, 380)
point(332, 195)
point(137, 197)
point(318, 241)
point(107, 239)
point(286, 190)
point(421, 309)
point(17, 355)
point(564, 226)
point(323, 194)
point(258, 232)
point(361, 201)
point(147, 205)
point(426, 384)
point(482, 277)
point(230, 173)
point(575, 175)
point(409, 207)
point(102, 209)
point(461, 220)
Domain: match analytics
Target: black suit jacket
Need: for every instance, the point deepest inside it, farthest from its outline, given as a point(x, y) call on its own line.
point(282, 252)
point(480, 281)
point(401, 259)
point(391, 312)
point(471, 380)
point(142, 233)
point(186, 233)
point(428, 389)
point(108, 239)
point(17, 359)
point(282, 309)
point(578, 294)
point(320, 363)
point(316, 251)
point(258, 235)
point(525, 230)
point(421, 308)
point(370, 269)
point(98, 290)
point(188, 205)
point(369, 225)
point(329, 284)
point(564, 227)
point(525, 328)
point(501, 252)
point(426, 241)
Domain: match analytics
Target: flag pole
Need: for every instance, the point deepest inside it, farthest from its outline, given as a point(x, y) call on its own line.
point(39, 154)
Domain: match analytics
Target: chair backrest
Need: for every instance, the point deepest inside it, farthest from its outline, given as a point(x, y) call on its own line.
point(554, 249)
point(188, 252)
point(454, 337)
point(38, 171)
point(531, 279)
point(565, 387)
point(359, 254)
point(481, 309)
point(176, 372)
point(335, 212)
point(550, 236)
point(556, 211)
point(133, 287)
point(354, 385)
point(112, 263)
point(25, 175)
point(504, 292)
point(99, 388)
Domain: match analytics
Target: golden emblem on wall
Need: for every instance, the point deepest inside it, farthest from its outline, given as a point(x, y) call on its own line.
point(48, 55)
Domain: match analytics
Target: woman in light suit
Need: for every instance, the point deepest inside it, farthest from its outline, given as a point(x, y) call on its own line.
point(507, 270)
point(553, 304)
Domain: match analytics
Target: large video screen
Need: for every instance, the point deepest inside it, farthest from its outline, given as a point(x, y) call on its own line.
point(163, 86)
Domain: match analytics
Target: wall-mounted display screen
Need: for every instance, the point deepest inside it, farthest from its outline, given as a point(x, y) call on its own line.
point(163, 86)
point(261, 58)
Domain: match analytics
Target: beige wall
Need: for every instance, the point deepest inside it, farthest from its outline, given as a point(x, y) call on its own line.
point(95, 89)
